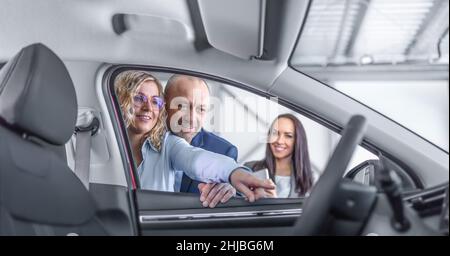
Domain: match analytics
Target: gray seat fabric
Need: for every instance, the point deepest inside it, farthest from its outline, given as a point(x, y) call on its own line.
point(39, 194)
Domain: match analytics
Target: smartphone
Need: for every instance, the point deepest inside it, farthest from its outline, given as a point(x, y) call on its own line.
point(262, 174)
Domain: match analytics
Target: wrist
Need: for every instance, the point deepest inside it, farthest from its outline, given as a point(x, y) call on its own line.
point(230, 180)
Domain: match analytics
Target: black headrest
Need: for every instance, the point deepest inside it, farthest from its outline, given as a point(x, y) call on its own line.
point(37, 95)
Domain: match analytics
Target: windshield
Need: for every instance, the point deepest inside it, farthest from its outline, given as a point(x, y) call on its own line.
point(391, 55)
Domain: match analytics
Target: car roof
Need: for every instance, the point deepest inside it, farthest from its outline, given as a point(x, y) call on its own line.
point(150, 32)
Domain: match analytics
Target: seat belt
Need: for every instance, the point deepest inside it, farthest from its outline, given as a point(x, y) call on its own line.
point(87, 126)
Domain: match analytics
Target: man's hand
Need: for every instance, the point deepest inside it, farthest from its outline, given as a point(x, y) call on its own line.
point(252, 187)
point(213, 193)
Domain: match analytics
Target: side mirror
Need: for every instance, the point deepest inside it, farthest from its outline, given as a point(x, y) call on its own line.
point(366, 174)
point(363, 173)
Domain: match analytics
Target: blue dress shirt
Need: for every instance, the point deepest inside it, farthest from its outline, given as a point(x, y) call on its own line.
point(157, 169)
point(211, 142)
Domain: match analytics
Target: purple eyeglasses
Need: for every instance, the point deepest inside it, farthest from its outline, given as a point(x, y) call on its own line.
point(156, 101)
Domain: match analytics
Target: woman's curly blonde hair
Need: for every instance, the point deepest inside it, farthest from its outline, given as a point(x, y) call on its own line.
point(126, 85)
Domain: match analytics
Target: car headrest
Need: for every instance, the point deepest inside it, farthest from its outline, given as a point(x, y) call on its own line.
point(37, 95)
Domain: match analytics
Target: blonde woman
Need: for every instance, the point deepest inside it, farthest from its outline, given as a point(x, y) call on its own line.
point(158, 153)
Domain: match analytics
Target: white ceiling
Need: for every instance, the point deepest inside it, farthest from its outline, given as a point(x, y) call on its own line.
point(160, 33)
point(354, 32)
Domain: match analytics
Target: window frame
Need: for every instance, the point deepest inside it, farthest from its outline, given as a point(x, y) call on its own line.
point(119, 126)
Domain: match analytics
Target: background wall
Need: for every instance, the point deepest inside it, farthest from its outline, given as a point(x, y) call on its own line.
point(422, 106)
point(244, 118)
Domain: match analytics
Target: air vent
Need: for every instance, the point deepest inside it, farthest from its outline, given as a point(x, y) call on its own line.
point(428, 202)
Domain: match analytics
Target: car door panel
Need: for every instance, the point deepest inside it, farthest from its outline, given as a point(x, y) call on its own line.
point(184, 214)
point(113, 208)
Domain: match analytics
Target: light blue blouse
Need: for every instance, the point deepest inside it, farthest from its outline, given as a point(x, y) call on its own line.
point(157, 169)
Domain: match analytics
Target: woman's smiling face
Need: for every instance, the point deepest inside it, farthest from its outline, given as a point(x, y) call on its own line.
point(282, 138)
point(145, 108)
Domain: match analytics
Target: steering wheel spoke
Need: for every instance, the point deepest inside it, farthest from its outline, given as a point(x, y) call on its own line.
point(318, 204)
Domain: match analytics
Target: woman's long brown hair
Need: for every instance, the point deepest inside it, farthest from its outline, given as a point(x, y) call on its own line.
point(300, 157)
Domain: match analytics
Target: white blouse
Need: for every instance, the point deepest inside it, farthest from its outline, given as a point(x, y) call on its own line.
point(283, 186)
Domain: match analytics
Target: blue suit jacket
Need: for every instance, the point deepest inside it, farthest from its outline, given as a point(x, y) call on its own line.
point(211, 142)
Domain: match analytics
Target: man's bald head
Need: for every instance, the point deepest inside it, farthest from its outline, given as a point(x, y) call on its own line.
point(174, 81)
point(187, 101)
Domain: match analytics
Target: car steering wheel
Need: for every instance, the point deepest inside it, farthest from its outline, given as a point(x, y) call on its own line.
point(318, 204)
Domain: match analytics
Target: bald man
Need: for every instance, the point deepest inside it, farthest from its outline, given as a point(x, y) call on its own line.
point(187, 102)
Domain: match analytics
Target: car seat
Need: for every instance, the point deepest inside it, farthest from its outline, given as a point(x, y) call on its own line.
point(39, 194)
